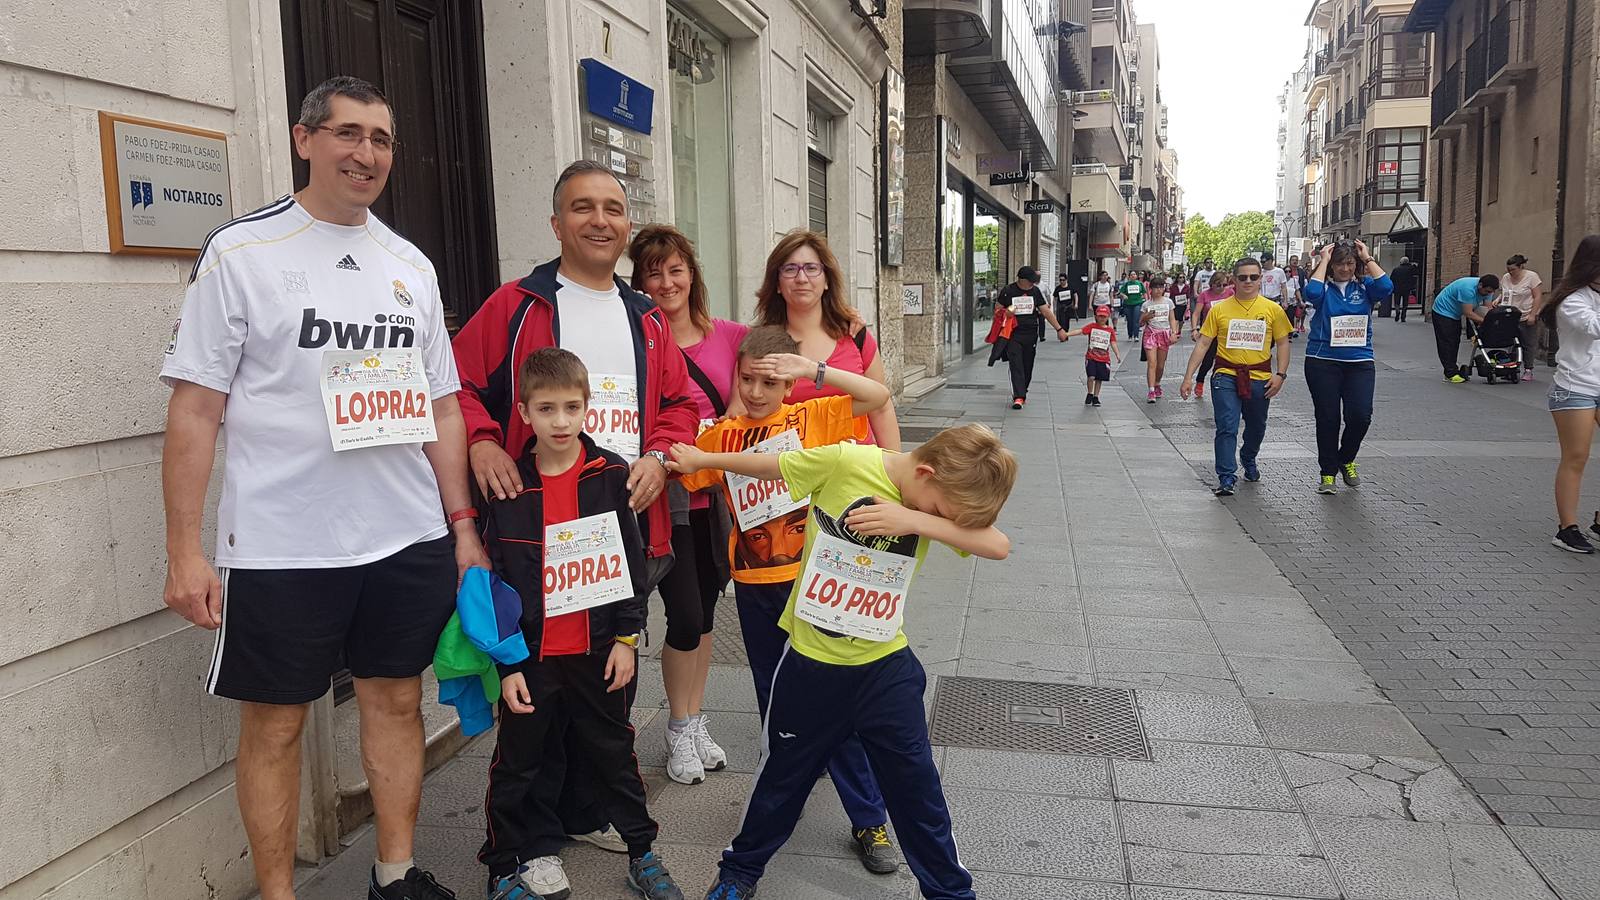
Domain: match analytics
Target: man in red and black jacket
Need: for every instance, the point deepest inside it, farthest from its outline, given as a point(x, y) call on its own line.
point(640, 404)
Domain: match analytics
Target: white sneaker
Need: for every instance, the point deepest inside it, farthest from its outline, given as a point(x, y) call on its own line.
point(712, 757)
point(606, 838)
point(683, 761)
point(545, 877)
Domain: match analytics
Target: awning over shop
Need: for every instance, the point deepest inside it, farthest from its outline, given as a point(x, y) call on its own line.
point(1413, 218)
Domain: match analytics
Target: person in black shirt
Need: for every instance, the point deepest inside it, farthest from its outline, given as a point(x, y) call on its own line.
point(1404, 277)
point(1027, 303)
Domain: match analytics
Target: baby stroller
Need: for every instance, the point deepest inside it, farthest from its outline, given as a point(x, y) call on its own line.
point(1497, 347)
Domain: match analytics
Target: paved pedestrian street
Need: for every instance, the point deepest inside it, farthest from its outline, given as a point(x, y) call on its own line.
point(1391, 694)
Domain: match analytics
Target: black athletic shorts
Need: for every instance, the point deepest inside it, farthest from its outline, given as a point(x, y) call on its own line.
point(1097, 370)
point(285, 632)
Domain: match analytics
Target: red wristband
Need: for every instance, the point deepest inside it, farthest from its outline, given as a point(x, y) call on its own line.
point(458, 515)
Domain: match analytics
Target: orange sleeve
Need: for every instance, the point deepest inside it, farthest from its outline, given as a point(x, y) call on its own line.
point(710, 441)
point(830, 421)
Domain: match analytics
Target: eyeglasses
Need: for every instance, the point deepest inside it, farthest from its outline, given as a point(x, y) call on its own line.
point(352, 138)
point(1255, 277)
point(793, 270)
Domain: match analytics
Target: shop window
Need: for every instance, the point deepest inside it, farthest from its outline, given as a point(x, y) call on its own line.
point(702, 141)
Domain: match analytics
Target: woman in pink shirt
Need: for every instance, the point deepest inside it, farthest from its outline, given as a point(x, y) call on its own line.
point(664, 267)
point(803, 291)
point(1220, 289)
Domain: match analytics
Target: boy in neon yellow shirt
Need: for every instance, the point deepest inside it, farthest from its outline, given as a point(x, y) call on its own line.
point(848, 669)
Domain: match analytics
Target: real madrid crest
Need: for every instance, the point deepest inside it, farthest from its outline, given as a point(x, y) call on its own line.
point(401, 295)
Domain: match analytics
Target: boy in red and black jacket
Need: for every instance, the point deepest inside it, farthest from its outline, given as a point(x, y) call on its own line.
point(569, 546)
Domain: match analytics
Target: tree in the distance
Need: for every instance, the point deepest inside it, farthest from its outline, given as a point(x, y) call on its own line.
point(1229, 240)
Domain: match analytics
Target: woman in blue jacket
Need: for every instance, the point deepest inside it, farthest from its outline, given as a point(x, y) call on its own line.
point(1340, 370)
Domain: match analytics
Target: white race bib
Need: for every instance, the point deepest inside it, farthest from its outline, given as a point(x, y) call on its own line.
point(584, 565)
point(1099, 340)
point(1023, 305)
point(757, 500)
point(854, 590)
point(1246, 334)
point(1160, 322)
point(705, 425)
point(613, 419)
point(1348, 331)
point(376, 397)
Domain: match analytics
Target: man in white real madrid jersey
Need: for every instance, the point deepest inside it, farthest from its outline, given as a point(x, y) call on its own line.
point(317, 336)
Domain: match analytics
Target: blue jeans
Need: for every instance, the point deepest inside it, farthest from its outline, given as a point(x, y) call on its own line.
point(1226, 408)
point(1341, 392)
point(1132, 312)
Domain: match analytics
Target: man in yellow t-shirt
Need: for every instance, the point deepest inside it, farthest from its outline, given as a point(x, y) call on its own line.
point(1249, 330)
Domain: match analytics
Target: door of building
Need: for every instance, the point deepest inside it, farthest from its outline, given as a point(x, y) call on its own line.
point(427, 57)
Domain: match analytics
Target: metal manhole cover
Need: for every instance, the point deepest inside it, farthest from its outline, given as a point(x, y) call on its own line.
point(918, 433)
point(994, 714)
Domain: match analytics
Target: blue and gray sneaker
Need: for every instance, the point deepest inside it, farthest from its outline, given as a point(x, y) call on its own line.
point(1251, 473)
point(1224, 488)
point(650, 878)
point(728, 889)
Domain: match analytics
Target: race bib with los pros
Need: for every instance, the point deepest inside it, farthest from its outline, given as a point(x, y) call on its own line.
point(613, 419)
point(1246, 334)
point(585, 565)
point(376, 397)
point(757, 500)
point(854, 590)
point(1348, 331)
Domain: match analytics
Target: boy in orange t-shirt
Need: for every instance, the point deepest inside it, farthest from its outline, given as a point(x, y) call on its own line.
point(769, 535)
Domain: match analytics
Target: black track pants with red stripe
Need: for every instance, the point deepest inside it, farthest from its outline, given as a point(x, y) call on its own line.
point(529, 764)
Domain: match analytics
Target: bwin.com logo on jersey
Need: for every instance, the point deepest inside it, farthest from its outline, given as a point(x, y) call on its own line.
point(143, 192)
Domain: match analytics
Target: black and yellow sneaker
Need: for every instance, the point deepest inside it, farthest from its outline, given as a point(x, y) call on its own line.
point(876, 850)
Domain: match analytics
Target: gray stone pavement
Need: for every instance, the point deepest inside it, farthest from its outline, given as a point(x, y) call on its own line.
point(1437, 574)
point(1278, 767)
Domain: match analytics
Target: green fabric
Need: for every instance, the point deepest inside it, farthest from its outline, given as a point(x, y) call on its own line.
point(457, 657)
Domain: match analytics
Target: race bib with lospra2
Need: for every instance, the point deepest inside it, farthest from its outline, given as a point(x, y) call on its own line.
point(585, 564)
point(1348, 331)
point(613, 419)
point(757, 500)
point(1099, 340)
point(1246, 334)
point(1022, 305)
point(376, 397)
point(854, 590)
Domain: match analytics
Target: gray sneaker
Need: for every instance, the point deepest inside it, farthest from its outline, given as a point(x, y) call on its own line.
point(876, 850)
point(1351, 477)
point(650, 878)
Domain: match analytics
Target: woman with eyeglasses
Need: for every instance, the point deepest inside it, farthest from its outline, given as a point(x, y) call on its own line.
point(1341, 372)
point(804, 292)
point(1522, 288)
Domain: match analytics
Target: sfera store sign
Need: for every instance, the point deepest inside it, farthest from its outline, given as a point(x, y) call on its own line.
point(166, 184)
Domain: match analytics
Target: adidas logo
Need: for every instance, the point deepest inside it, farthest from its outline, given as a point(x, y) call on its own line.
point(349, 262)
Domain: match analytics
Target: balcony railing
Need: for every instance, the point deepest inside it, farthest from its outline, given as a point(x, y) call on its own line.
point(1475, 68)
point(1395, 82)
point(1510, 38)
point(1446, 96)
point(1126, 173)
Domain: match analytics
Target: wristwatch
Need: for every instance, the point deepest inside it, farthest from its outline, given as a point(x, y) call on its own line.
point(658, 456)
point(632, 640)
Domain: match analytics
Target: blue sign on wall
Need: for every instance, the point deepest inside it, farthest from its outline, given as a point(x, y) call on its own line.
point(617, 98)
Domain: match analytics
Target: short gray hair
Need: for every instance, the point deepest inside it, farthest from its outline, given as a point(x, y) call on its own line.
point(581, 167)
point(317, 107)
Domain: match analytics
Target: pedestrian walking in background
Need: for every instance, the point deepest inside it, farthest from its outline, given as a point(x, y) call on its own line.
point(1404, 278)
point(1220, 289)
point(1101, 292)
point(1132, 293)
point(1102, 335)
point(1161, 329)
point(1202, 276)
point(1181, 293)
point(803, 291)
point(1252, 331)
point(1341, 372)
point(1522, 288)
point(1574, 313)
point(1459, 299)
point(1064, 300)
point(1025, 301)
point(665, 269)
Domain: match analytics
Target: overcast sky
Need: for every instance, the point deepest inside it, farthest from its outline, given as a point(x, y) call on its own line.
point(1223, 63)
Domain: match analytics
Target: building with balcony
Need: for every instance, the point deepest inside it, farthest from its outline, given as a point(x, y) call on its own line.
point(987, 133)
point(1512, 161)
point(1366, 111)
point(1152, 215)
point(1290, 226)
